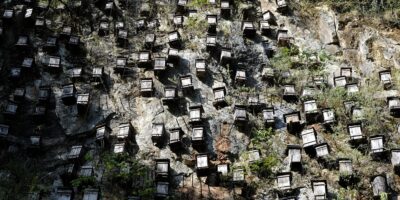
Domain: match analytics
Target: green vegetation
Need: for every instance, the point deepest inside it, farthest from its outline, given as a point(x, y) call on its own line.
point(18, 177)
point(333, 98)
point(174, 79)
point(198, 3)
point(376, 12)
point(343, 6)
point(84, 181)
point(245, 89)
point(296, 61)
point(54, 3)
point(384, 196)
point(265, 165)
point(324, 57)
point(304, 64)
point(344, 194)
point(88, 156)
point(261, 136)
point(373, 112)
point(124, 169)
point(146, 192)
point(196, 26)
point(281, 60)
point(262, 139)
point(374, 116)
point(44, 1)
point(225, 28)
point(395, 76)
point(305, 57)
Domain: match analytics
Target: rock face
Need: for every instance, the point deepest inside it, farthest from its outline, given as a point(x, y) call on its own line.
point(327, 26)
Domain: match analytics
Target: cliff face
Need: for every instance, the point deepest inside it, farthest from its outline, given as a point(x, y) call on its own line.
point(320, 45)
point(367, 46)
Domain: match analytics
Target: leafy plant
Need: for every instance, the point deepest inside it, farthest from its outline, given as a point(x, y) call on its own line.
point(347, 194)
point(383, 196)
point(88, 156)
point(262, 135)
point(281, 61)
point(174, 79)
point(332, 97)
point(245, 89)
point(147, 193)
point(23, 176)
point(196, 26)
point(84, 181)
point(123, 168)
point(198, 3)
point(56, 3)
point(323, 56)
point(265, 165)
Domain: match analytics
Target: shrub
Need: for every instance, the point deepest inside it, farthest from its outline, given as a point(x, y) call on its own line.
point(262, 135)
point(122, 168)
point(323, 56)
point(88, 156)
point(281, 61)
point(196, 26)
point(146, 193)
point(332, 97)
point(344, 194)
point(84, 181)
point(264, 166)
point(198, 3)
point(383, 196)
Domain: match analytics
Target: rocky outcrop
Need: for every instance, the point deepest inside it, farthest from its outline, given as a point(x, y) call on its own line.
point(327, 26)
